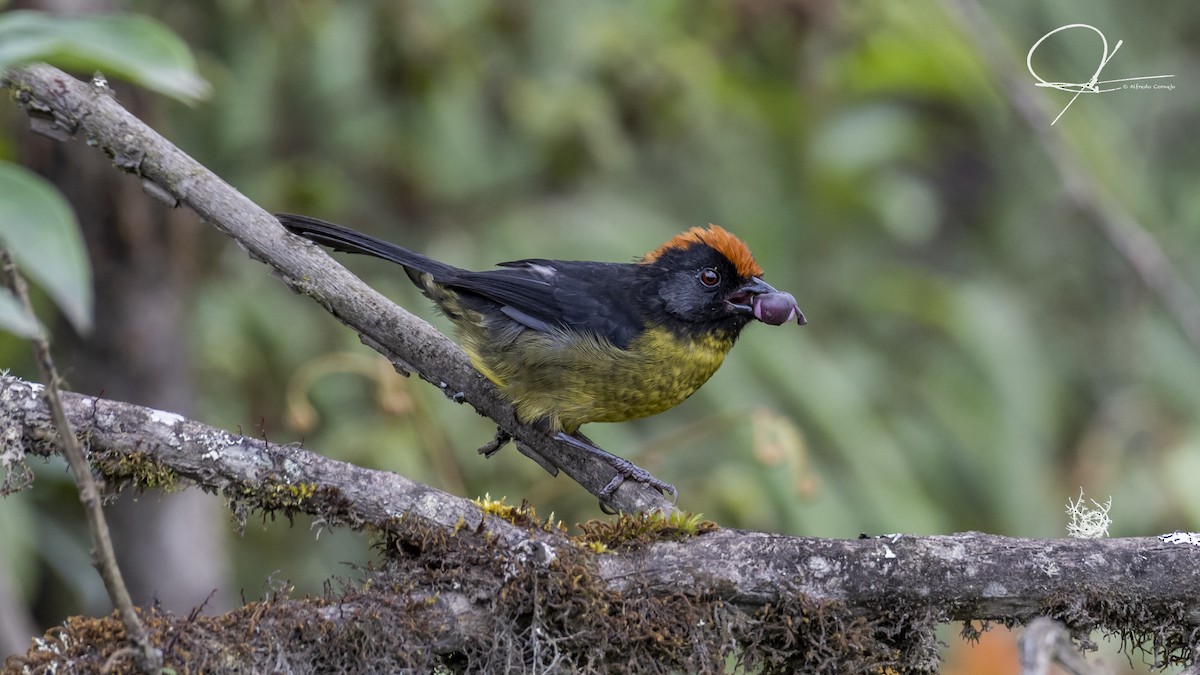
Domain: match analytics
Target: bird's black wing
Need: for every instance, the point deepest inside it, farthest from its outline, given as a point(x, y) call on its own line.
point(547, 294)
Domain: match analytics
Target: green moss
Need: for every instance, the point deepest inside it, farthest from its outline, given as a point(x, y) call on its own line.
point(633, 530)
point(523, 515)
point(271, 496)
point(140, 469)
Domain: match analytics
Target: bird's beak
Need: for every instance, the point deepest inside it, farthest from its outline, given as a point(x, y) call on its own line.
point(766, 304)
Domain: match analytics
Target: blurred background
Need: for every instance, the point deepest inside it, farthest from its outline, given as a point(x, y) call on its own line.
point(980, 345)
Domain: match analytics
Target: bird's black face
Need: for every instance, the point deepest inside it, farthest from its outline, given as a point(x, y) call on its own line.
point(700, 288)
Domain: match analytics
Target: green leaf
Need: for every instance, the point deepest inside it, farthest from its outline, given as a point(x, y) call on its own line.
point(134, 48)
point(39, 230)
point(14, 318)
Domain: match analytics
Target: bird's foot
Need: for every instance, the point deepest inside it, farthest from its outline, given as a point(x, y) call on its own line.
point(626, 470)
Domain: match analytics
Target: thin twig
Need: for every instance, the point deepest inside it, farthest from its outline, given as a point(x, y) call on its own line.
point(104, 558)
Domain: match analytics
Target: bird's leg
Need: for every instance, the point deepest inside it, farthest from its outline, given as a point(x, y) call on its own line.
point(626, 470)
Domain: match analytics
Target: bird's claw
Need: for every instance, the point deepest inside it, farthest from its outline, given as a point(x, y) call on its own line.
point(626, 470)
point(637, 474)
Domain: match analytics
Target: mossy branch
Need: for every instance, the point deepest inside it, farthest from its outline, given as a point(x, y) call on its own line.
point(477, 576)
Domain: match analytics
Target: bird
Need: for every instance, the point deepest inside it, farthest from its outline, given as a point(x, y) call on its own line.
point(569, 342)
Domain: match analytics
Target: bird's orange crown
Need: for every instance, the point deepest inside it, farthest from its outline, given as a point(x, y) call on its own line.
point(717, 238)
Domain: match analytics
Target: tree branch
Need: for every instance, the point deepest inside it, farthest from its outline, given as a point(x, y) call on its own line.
point(60, 105)
point(155, 449)
point(893, 590)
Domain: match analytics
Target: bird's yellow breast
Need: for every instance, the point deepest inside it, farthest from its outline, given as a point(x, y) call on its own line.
point(572, 379)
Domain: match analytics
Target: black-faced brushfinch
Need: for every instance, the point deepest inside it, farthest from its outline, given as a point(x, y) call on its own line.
point(570, 342)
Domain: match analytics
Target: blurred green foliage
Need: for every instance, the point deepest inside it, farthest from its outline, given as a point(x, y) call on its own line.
point(977, 351)
point(38, 232)
point(37, 227)
point(134, 48)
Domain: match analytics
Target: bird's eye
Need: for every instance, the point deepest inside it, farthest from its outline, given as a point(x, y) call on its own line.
point(709, 277)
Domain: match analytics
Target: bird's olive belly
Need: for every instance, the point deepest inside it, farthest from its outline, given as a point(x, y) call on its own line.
point(568, 379)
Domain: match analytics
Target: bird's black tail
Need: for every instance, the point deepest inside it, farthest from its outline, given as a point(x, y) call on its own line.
point(346, 240)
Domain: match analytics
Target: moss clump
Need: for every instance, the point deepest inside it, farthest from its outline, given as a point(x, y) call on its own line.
point(139, 469)
point(523, 515)
point(271, 496)
point(1164, 637)
point(548, 613)
point(631, 531)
